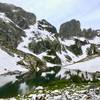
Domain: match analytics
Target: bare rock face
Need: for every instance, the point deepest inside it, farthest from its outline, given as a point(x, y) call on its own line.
point(44, 25)
point(10, 34)
point(71, 28)
point(18, 15)
point(12, 22)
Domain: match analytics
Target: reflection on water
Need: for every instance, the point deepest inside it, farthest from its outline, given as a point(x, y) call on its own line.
point(4, 79)
point(23, 88)
point(10, 86)
point(9, 90)
point(23, 84)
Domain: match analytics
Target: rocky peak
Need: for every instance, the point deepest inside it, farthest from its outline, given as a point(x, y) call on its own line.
point(73, 28)
point(44, 25)
point(10, 33)
point(70, 28)
point(18, 15)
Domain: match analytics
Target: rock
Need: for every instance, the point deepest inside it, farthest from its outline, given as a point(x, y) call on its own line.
point(10, 34)
point(73, 28)
point(18, 15)
point(44, 25)
point(97, 91)
point(89, 33)
point(69, 29)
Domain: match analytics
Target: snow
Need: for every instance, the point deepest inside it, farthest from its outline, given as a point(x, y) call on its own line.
point(80, 38)
point(6, 79)
point(45, 73)
point(96, 40)
point(9, 63)
point(37, 36)
point(4, 18)
point(62, 57)
point(42, 33)
point(74, 58)
point(39, 88)
point(67, 42)
point(51, 65)
point(69, 53)
point(84, 53)
point(23, 46)
point(14, 10)
point(23, 88)
point(91, 66)
point(42, 55)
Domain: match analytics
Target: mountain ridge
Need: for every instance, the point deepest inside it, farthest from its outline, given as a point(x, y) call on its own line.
point(44, 35)
point(32, 49)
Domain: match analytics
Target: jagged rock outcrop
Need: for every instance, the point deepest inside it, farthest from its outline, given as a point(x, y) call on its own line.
point(73, 28)
point(50, 47)
point(18, 15)
point(89, 33)
point(10, 34)
point(69, 29)
point(44, 25)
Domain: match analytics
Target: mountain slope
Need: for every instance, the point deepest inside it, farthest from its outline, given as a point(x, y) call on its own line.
point(27, 43)
point(35, 58)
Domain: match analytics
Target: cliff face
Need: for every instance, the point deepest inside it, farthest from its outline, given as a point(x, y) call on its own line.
point(69, 29)
point(73, 28)
point(19, 16)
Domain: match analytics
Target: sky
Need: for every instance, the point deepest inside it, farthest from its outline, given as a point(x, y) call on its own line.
point(60, 11)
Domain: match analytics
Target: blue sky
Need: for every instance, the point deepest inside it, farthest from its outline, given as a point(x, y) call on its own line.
point(59, 11)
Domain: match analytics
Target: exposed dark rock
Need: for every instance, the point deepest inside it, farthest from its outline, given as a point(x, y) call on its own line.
point(80, 43)
point(92, 50)
point(73, 28)
point(54, 60)
point(10, 34)
point(89, 33)
point(69, 29)
point(43, 45)
point(18, 15)
point(76, 48)
point(44, 25)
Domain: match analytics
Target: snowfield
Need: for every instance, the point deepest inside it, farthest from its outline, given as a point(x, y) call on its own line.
point(9, 63)
point(23, 46)
point(33, 32)
point(91, 66)
point(96, 40)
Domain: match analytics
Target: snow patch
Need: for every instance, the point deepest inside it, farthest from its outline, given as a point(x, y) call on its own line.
point(9, 63)
point(4, 18)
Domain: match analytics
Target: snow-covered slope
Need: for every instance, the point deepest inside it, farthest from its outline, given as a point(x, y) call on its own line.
point(9, 63)
point(89, 66)
point(95, 40)
point(23, 46)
